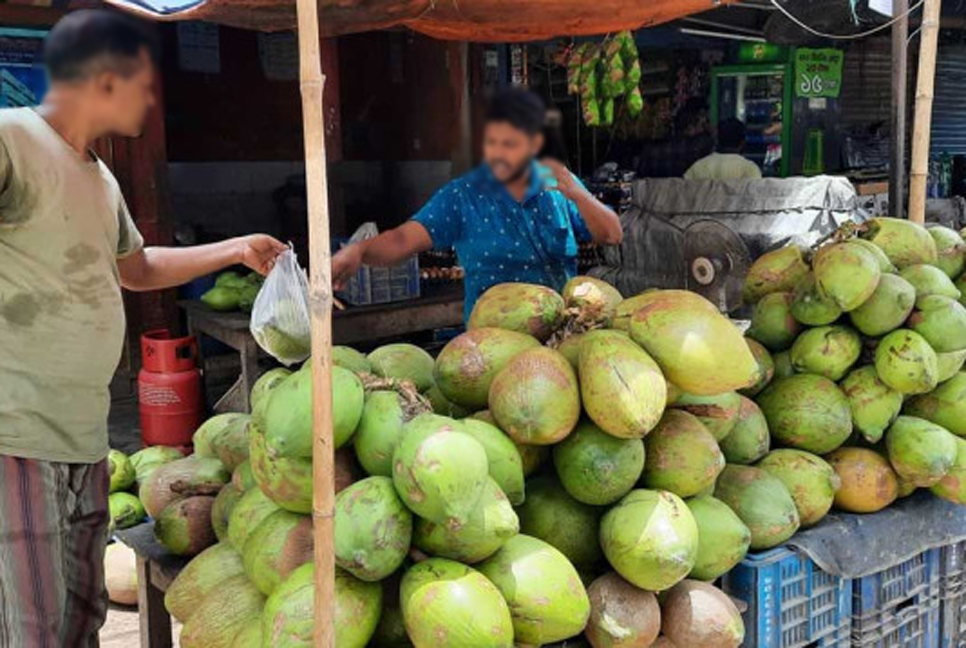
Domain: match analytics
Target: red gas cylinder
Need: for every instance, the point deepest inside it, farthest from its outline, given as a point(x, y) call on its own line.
point(169, 389)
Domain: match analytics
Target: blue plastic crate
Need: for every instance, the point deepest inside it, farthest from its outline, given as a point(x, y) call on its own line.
point(952, 595)
point(899, 606)
point(791, 602)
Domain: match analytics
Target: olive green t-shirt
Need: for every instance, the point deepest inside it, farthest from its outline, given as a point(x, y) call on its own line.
point(63, 225)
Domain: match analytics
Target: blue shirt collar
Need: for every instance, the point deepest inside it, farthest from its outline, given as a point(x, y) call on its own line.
point(535, 188)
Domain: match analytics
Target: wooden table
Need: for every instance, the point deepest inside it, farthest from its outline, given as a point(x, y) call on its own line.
point(156, 569)
point(439, 307)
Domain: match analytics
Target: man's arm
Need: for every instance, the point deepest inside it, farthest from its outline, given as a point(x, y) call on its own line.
point(155, 268)
point(389, 248)
point(603, 223)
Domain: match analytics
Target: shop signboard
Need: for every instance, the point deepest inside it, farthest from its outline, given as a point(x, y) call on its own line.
point(818, 73)
point(23, 80)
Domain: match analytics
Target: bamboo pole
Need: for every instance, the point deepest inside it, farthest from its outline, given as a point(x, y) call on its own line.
point(897, 152)
point(312, 83)
point(929, 39)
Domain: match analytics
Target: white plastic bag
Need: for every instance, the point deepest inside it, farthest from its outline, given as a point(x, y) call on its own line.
point(281, 323)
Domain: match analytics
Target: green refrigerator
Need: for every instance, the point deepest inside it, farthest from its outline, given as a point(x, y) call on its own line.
point(761, 96)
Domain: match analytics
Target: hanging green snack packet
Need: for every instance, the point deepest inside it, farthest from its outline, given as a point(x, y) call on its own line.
point(635, 102)
point(591, 112)
point(588, 73)
point(607, 116)
point(632, 76)
point(612, 82)
point(628, 47)
point(573, 68)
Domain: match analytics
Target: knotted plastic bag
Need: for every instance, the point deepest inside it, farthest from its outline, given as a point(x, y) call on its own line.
point(281, 323)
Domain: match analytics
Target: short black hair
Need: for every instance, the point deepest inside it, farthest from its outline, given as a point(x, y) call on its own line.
point(731, 134)
point(89, 41)
point(519, 107)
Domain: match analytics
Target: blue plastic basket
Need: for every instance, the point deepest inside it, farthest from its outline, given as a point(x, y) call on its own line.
point(899, 606)
point(791, 602)
point(952, 595)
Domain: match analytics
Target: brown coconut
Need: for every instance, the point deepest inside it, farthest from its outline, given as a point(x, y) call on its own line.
point(698, 614)
point(621, 615)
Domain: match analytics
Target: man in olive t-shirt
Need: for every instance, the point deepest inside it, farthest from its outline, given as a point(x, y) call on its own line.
point(67, 246)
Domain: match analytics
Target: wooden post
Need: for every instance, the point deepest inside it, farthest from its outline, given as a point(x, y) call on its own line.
point(897, 152)
point(312, 83)
point(929, 39)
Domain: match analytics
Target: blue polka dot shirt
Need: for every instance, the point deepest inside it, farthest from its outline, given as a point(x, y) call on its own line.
point(499, 239)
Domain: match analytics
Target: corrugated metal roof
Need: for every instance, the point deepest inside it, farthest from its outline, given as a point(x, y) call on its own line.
point(949, 104)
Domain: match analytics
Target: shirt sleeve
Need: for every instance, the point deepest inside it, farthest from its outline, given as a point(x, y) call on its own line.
point(6, 179)
point(576, 220)
point(442, 217)
point(129, 239)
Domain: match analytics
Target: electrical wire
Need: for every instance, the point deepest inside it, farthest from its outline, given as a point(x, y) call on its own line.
point(851, 36)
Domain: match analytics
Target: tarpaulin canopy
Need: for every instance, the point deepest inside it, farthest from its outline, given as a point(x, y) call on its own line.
point(466, 20)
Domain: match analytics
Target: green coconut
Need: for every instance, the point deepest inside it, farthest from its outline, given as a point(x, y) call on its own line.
point(286, 481)
point(242, 477)
point(181, 478)
point(532, 456)
point(847, 272)
point(535, 397)
point(380, 428)
point(222, 614)
point(621, 615)
point(221, 509)
point(772, 323)
point(184, 526)
point(203, 575)
point(521, 307)
point(867, 483)
point(121, 471)
point(887, 308)
point(766, 368)
point(698, 614)
point(446, 604)
point(349, 358)
point(762, 502)
point(505, 462)
point(682, 456)
point(444, 406)
point(373, 529)
point(949, 364)
point(403, 362)
point(214, 427)
point(885, 265)
point(783, 365)
point(723, 539)
point(546, 599)
point(904, 242)
point(929, 280)
point(439, 470)
point(952, 486)
point(146, 461)
point(807, 412)
point(697, 348)
point(809, 479)
point(920, 451)
point(780, 270)
point(555, 517)
point(288, 415)
point(250, 636)
point(650, 538)
point(874, 404)
point(945, 406)
point(570, 348)
point(622, 388)
point(627, 308)
point(467, 365)
point(811, 306)
point(828, 351)
point(253, 507)
point(391, 631)
point(950, 250)
point(905, 361)
point(288, 618)
point(126, 510)
point(491, 523)
point(592, 295)
point(960, 284)
point(279, 544)
point(597, 468)
point(942, 321)
point(268, 381)
point(231, 446)
point(718, 413)
point(749, 441)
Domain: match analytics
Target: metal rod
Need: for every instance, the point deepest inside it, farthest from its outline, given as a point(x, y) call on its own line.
point(897, 152)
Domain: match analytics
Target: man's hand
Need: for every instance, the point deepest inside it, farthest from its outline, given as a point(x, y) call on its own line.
point(258, 252)
point(566, 183)
point(345, 264)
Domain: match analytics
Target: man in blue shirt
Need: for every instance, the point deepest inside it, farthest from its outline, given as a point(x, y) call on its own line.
point(512, 219)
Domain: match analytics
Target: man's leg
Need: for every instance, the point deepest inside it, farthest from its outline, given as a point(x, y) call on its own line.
point(33, 499)
point(86, 604)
